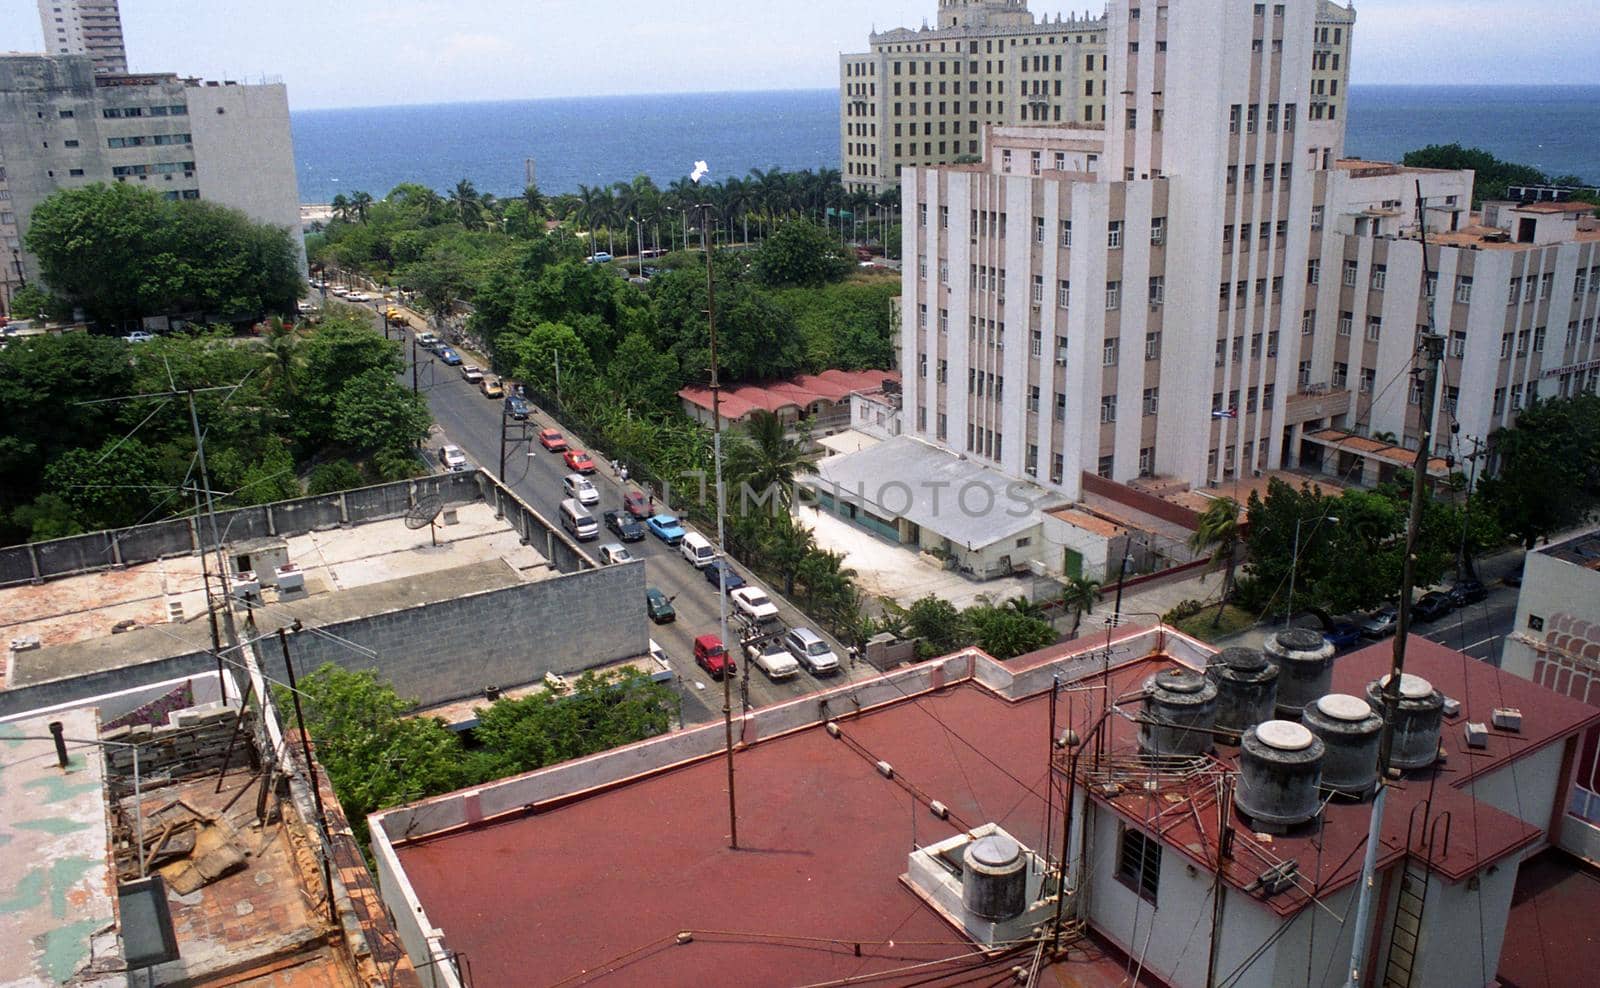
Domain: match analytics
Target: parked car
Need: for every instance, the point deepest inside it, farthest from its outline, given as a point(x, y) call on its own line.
point(659, 606)
point(578, 486)
point(713, 658)
point(1381, 623)
point(579, 461)
point(666, 528)
point(636, 504)
point(1432, 606)
point(697, 549)
point(714, 574)
point(449, 356)
point(471, 373)
point(614, 553)
point(624, 526)
point(1343, 635)
point(754, 604)
point(492, 388)
point(808, 646)
point(552, 440)
point(427, 341)
point(138, 336)
point(599, 257)
point(452, 459)
point(1468, 592)
point(518, 408)
point(773, 659)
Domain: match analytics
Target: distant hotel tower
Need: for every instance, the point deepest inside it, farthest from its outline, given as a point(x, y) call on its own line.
point(85, 27)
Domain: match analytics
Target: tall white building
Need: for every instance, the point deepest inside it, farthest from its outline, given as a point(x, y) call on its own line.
point(85, 27)
point(1203, 285)
point(63, 124)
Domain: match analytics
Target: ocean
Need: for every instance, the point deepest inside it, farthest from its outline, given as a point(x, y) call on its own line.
point(606, 139)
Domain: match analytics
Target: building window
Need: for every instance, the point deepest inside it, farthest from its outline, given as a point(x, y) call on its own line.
point(1350, 274)
point(1380, 277)
point(1314, 271)
point(1114, 234)
point(1346, 321)
point(1158, 290)
point(1113, 295)
point(1036, 346)
point(1063, 294)
point(1061, 408)
point(1152, 400)
point(1152, 346)
point(1109, 352)
point(1038, 229)
point(1066, 233)
point(1108, 408)
point(1058, 467)
point(1374, 328)
point(1106, 466)
point(1139, 863)
point(1535, 622)
point(1463, 288)
point(1158, 230)
point(1038, 289)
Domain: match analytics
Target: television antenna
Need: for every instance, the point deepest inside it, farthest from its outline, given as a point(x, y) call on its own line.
point(425, 512)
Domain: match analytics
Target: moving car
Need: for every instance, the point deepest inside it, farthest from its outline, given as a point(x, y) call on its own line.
point(1381, 623)
point(452, 459)
point(471, 373)
point(659, 606)
point(518, 408)
point(773, 659)
point(1468, 592)
point(697, 549)
point(1343, 635)
point(579, 461)
point(427, 341)
point(714, 575)
point(666, 528)
point(1432, 606)
point(599, 257)
point(712, 657)
point(808, 646)
point(623, 525)
point(138, 336)
point(578, 486)
point(636, 504)
point(449, 356)
point(553, 440)
point(613, 553)
point(578, 521)
point(492, 388)
point(754, 604)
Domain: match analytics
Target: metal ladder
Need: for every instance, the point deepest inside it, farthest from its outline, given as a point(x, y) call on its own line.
point(1405, 936)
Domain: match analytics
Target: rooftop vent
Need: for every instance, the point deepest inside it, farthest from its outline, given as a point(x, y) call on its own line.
point(1280, 767)
point(985, 883)
point(1180, 710)
point(1417, 720)
point(1351, 731)
point(1305, 668)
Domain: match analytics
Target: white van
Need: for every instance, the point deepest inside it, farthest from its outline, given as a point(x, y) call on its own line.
point(697, 550)
point(578, 521)
point(578, 486)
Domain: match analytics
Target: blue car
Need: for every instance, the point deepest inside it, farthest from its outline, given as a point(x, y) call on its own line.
point(517, 407)
point(1343, 635)
point(449, 356)
point(714, 571)
point(666, 528)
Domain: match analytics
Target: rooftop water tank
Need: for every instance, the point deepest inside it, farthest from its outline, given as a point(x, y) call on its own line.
point(994, 878)
point(1417, 721)
point(1247, 687)
point(1350, 730)
point(1305, 668)
point(1180, 708)
point(1280, 767)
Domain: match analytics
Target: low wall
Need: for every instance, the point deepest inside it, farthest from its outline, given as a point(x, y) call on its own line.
point(59, 692)
point(1139, 500)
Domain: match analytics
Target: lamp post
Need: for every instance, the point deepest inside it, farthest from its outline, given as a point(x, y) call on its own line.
point(1294, 564)
point(638, 225)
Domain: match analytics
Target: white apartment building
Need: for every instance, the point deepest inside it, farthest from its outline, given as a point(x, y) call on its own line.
point(1203, 285)
point(85, 27)
point(65, 125)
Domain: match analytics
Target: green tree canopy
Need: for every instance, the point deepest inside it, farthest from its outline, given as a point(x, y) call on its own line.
point(536, 353)
point(799, 254)
point(1493, 176)
point(1546, 468)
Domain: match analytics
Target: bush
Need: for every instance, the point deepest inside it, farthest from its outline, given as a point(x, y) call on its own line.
point(1185, 610)
point(332, 477)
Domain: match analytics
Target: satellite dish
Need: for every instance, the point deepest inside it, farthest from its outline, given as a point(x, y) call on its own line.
point(424, 512)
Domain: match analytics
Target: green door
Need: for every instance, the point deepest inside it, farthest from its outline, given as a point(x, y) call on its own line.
point(1072, 563)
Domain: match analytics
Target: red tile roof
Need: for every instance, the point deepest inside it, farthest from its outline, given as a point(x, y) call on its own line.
point(798, 392)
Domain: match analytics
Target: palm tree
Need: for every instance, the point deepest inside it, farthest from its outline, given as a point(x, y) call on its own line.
point(467, 205)
point(785, 546)
point(1079, 596)
point(766, 458)
point(537, 202)
point(738, 197)
point(1024, 606)
point(283, 344)
point(341, 207)
point(1218, 533)
point(359, 202)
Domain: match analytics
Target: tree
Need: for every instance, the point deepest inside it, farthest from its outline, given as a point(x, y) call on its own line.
point(765, 459)
point(35, 302)
point(333, 477)
point(374, 411)
point(1006, 633)
point(941, 628)
point(113, 486)
point(800, 255)
point(1493, 177)
point(1546, 468)
point(440, 279)
point(1218, 533)
point(601, 711)
point(1079, 596)
point(643, 377)
point(548, 354)
point(468, 205)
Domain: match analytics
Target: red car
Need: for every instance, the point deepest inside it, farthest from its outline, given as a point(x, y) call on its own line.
point(636, 504)
point(579, 462)
point(552, 440)
point(712, 657)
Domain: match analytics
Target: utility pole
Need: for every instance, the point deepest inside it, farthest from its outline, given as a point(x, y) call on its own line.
point(211, 515)
point(1464, 567)
point(311, 771)
point(413, 364)
point(1431, 350)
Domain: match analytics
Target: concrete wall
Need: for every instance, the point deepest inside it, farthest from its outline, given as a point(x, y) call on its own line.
point(454, 648)
point(22, 699)
point(113, 705)
point(1527, 789)
point(246, 154)
point(1464, 928)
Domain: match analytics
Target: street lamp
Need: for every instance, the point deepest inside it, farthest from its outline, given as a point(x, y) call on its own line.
point(1294, 564)
point(639, 226)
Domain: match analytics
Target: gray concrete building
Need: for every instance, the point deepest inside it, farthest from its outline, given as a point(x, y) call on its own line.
point(85, 27)
point(65, 124)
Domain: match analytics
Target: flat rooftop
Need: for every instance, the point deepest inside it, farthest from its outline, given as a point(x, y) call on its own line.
point(349, 572)
point(1584, 550)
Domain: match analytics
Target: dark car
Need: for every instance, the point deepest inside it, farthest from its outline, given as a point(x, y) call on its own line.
point(714, 570)
point(1432, 606)
point(449, 356)
point(1468, 592)
point(1343, 635)
point(518, 408)
point(624, 525)
point(659, 606)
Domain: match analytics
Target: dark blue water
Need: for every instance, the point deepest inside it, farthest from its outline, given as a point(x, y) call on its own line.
point(600, 140)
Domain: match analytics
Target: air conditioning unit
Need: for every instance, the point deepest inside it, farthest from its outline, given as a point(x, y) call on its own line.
point(1031, 471)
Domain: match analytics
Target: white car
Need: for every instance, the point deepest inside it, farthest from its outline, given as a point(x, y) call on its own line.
point(138, 336)
point(614, 553)
point(452, 459)
point(754, 604)
point(773, 659)
point(472, 374)
point(809, 647)
point(578, 486)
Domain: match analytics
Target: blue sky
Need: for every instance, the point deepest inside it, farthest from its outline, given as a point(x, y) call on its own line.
point(371, 52)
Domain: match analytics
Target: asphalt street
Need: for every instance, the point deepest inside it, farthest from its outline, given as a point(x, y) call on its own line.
point(1477, 629)
point(464, 417)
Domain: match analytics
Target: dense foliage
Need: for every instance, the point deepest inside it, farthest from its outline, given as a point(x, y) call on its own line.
point(1004, 630)
point(377, 756)
point(1546, 468)
point(299, 397)
point(1493, 176)
point(121, 252)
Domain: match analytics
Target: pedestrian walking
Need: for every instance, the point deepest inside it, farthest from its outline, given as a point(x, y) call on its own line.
point(623, 473)
point(652, 506)
point(855, 653)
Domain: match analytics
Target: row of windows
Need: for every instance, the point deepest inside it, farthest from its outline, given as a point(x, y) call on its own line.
point(161, 168)
point(1540, 287)
point(989, 46)
point(1255, 347)
point(155, 140)
point(117, 112)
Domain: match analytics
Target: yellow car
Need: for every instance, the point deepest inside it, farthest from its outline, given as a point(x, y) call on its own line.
point(492, 388)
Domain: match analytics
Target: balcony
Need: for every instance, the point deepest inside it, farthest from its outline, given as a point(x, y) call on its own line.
point(1316, 401)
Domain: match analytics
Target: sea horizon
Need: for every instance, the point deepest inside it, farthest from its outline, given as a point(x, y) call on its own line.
point(602, 139)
